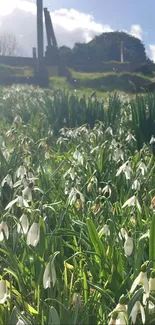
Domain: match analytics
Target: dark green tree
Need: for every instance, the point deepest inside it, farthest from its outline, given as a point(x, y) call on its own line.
point(107, 47)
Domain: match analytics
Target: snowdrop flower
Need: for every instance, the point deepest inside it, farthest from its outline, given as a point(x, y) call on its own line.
point(152, 140)
point(75, 195)
point(109, 130)
point(142, 167)
point(21, 171)
point(128, 245)
point(4, 231)
point(23, 226)
point(152, 281)
point(17, 119)
point(104, 231)
point(126, 169)
point(33, 235)
point(130, 137)
point(141, 280)
point(20, 322)
point(8, 180)
point(6, 154)
point(136, 185)
point(20, 201)
point(3, 292)
point(121, 320)
point(27, 192)
point(79, 157)
point(121, 306)
point(49, 275)
point(135, 311)
point(113, 143)
point(117, 154)
point(133, 201)
point(112, 321)
point(122, 233)
point(106, 190)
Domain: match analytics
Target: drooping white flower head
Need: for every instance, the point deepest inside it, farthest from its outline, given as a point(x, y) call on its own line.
point(141, 280)
point(126, 169)
point(121, 320)
point(78, 156)
point(73, 196)
point(136, 185)
point(122, 233)
point(128, 245)
point(152, 140)
point(49, 275)
point(33, 235)
point(8, 180)
point(112, 321)
point(130, 138)
point(21, 171)
point(23, 226)
point(3, 292)
point(106, 189)
point(133, 201)
point(152, 281)
point(20, 322)
point(20, 201)
point(17, 119)
point(118, 154)
point(142, 167)
point(135, 311)
point(6, 154)
point(27, 192)
point(104, 231)
point(4, 230)
point(109, 130)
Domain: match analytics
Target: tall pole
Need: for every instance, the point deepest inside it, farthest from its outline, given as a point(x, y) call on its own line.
point(122, 52)
point(40, 37)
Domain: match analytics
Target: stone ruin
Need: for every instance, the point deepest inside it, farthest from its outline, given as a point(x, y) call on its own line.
point(40, 62)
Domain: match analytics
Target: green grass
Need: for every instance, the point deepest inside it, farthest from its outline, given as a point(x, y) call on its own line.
point(15, 71)
point(99, 75)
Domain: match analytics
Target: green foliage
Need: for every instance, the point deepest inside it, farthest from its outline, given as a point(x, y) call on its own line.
point(104, 48)
point(86, 209)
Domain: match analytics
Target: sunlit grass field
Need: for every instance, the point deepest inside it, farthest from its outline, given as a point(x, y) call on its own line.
point(77, 199)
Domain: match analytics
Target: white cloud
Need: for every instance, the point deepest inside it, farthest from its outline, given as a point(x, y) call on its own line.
point(152, 52)
point(136, 31)
point(71, 26)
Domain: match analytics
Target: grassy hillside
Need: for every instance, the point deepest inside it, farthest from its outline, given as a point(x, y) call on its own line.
point(15, 71)
point(85, 83)
point(124, 81)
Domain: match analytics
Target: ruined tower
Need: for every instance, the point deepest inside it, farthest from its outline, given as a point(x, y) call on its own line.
point(40, 37)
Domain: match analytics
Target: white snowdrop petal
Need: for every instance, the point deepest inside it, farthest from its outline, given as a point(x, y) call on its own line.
point(20, 322)
point(134, 313)
point(151, 284)
point(129, 202)
point(46, 277)
point(3, 292)
point(33, 235)
point(142, 313)
point(128, 246)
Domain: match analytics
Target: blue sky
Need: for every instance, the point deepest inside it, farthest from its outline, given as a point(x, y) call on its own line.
point(119, 14)
point(80, 20)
